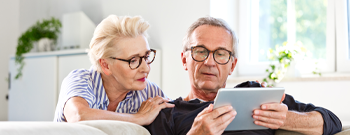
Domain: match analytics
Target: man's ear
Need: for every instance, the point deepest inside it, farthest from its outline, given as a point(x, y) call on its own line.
point(105, 66)
point(184, 60)
point(233, 65)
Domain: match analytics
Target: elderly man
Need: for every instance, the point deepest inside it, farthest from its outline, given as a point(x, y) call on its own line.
point(209, 56)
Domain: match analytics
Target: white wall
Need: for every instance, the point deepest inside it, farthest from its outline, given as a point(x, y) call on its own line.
point(169, 21)
point(333, 95)
point(9, 13)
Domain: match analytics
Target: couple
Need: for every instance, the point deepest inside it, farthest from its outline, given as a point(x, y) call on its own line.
point(116, 88)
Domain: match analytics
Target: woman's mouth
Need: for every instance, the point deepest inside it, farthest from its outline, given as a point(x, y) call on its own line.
point(142, 79)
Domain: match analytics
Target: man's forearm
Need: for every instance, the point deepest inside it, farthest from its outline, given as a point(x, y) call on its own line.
point(304, 122)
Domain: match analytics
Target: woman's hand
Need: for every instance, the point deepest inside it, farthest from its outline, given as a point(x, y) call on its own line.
point(150, 109)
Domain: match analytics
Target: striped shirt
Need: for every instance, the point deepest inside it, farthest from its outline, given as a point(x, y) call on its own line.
point(88, 85)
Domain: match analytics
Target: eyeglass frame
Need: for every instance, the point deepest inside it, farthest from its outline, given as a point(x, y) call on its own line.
point(143, 57)
point(192, 47)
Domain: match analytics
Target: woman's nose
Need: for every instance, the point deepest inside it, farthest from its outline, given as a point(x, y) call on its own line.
point(144, 67)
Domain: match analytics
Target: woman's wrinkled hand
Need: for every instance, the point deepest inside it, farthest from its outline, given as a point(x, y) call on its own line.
point(150, 109)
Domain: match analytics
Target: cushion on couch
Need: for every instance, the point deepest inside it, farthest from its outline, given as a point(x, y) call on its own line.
point(345, 131)
point(113, 127)
point(46, 128)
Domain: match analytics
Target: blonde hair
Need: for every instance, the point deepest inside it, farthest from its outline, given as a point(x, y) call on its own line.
point(109, 31)
point(212, 22)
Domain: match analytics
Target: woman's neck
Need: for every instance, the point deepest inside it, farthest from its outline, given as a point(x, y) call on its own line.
point(114, 92)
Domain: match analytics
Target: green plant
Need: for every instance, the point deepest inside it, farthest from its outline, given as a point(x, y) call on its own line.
point(46, 28)
point(284, 55)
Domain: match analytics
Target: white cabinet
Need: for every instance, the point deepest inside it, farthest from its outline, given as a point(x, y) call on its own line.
point(33, 97)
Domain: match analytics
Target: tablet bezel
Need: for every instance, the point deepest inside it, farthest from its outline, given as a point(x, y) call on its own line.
point(244, 101)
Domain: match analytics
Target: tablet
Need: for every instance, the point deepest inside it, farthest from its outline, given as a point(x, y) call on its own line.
point(244, 101)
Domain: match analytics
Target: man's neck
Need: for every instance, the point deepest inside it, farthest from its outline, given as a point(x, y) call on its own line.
point(200, 94)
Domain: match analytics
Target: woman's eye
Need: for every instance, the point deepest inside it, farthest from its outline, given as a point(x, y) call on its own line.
point(133, 60)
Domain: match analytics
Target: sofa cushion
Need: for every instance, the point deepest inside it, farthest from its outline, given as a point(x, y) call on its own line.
point(113, 127)
point(345, 131)
point(47, 128)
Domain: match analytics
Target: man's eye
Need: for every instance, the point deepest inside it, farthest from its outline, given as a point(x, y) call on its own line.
point(200, 52)
point(221, 54)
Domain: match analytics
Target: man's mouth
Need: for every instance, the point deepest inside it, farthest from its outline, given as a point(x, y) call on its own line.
point(208, 74)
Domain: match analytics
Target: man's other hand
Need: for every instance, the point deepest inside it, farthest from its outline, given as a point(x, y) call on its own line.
point(212, 122)
point(271, 115)
point(263, 84)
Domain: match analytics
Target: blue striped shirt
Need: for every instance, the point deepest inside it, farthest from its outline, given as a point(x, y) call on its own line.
point(88, 85)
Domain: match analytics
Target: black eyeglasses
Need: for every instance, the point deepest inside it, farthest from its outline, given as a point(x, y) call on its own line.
point(200, 53)
point(136, 61)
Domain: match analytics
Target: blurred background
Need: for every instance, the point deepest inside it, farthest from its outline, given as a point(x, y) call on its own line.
point(320, 26)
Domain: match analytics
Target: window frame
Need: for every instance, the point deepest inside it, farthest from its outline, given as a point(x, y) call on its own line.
point(342, 35)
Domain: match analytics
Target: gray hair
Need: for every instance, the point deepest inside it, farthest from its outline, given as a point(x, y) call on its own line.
point(109, 31)
point(212, 22)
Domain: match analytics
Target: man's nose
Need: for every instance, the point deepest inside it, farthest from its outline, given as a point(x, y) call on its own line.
point(210, 60)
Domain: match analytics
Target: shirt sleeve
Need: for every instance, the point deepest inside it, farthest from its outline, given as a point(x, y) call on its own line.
point(76, 84)
point(331, 125)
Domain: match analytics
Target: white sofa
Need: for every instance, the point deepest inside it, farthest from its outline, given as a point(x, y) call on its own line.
point(96, 127)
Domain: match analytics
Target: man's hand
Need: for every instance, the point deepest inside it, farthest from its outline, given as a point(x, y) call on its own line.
point(271, 115)
point(150, 109)
point(212, 122)
point(263, 84)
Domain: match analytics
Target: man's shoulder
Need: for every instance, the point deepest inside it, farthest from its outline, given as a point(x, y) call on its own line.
point(181, 106)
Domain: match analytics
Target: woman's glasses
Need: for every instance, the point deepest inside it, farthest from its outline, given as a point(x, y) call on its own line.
point(136, 61)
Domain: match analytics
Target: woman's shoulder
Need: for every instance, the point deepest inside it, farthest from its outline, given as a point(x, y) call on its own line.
point(81, 74)
point(152, 89)
point(151, 85)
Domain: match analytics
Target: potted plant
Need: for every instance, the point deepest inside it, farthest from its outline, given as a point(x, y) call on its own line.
point(286, 56)
point(42, 29)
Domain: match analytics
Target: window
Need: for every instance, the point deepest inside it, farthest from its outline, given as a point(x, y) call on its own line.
point(270, 23)
point(322, 26)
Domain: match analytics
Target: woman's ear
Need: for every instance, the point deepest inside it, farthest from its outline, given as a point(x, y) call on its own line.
point(184, 60)
point(105, 66)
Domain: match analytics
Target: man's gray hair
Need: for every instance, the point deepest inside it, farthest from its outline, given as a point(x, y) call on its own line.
point(212, 22)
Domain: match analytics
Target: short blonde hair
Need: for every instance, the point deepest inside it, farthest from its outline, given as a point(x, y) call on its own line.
point(109, 31)
point(212, 22)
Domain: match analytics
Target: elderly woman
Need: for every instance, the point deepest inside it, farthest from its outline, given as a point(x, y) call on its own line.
point(116, 85)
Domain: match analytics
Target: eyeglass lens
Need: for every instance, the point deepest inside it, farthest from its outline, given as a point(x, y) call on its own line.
point(221, 56)
point(136, 61)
